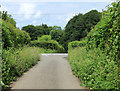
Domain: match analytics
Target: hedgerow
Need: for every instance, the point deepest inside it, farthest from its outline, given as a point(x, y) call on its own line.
point(75, 44)
point(17, 61)
point(93, 68)
point(46, 43)
point(97, 63)
point(106, 34)
point(13, 37)
point(17, 56)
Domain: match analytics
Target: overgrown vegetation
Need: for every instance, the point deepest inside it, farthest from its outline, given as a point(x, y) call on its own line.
point(93, 68)
point(79, 26)
point(94, 53)
point(46, 43)
point(17, 61)
point(76, 29)
point(17, 55)
point(97, 63)
point(37, 31)
point(12, 36)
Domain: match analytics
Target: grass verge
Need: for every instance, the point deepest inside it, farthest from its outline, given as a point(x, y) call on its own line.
point(17, 61)
point(93, 68)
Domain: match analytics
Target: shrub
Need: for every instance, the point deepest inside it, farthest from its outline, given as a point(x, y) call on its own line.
point(17, 61)
point(44, 38)
point(13, 37)
point(75, 44)
point(46, 43)
point(106, 34)
point(93, 68)
point(101, 54)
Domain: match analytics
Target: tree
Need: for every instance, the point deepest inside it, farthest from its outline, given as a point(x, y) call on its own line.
point(80, 25)
point(31, 30)
point(37, 31)
point(56, 33)
point(4, 15)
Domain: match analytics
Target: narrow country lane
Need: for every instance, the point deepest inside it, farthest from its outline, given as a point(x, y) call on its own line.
point(52, 72)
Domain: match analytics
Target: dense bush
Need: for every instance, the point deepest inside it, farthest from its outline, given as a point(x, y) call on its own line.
point(56, 34)
point(93, 68)
point(44, 38)
point(37, 31)
point(7, 17)
point(16, 56)
point(101, 55)
point(75, 44)
point(46, 43)
point(13, 37)
point(79, 26)
point(17, 61)
point(106, 34)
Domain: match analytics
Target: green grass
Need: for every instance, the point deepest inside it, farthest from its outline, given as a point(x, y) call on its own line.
point(93, 68)
point(17, 61)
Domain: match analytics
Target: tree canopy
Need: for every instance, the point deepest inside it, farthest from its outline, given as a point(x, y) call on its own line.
point(37, 31)
point(79, 26)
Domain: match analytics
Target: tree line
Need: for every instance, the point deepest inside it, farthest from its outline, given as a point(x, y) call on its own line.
point(76, 29)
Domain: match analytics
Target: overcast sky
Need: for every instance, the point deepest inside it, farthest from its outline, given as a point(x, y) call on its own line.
point(50, 12)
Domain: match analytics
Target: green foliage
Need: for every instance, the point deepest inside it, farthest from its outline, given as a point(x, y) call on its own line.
point(17, 61)
point(57, 34)
point(93, 68)
point(79, 26)
point(75, 44)
point(8, 18)
point(101, 54)
point(106, 34)
point(16, 56)
point(37, 31)
point(46, 43)
point(31, 30)
point(13, 37)
point(44, 38)
point(4, 15)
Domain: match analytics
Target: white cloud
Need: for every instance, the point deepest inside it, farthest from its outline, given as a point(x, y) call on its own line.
point(57, 0)
point(17, 25)
point(38, 14)
point(34, 22)
point(27, 10)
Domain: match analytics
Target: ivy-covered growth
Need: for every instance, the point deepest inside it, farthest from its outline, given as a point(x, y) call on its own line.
point(106, 34)
point(75, 44)
point(12, 36)
point(7, 17)
point(101, 54)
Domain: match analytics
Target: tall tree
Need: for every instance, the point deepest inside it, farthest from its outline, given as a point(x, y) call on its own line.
point(56, 33)
point(37, 31)
point(80, 25)
point(31, 30)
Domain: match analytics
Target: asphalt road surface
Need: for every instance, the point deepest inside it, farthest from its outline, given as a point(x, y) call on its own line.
point(52, 72)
